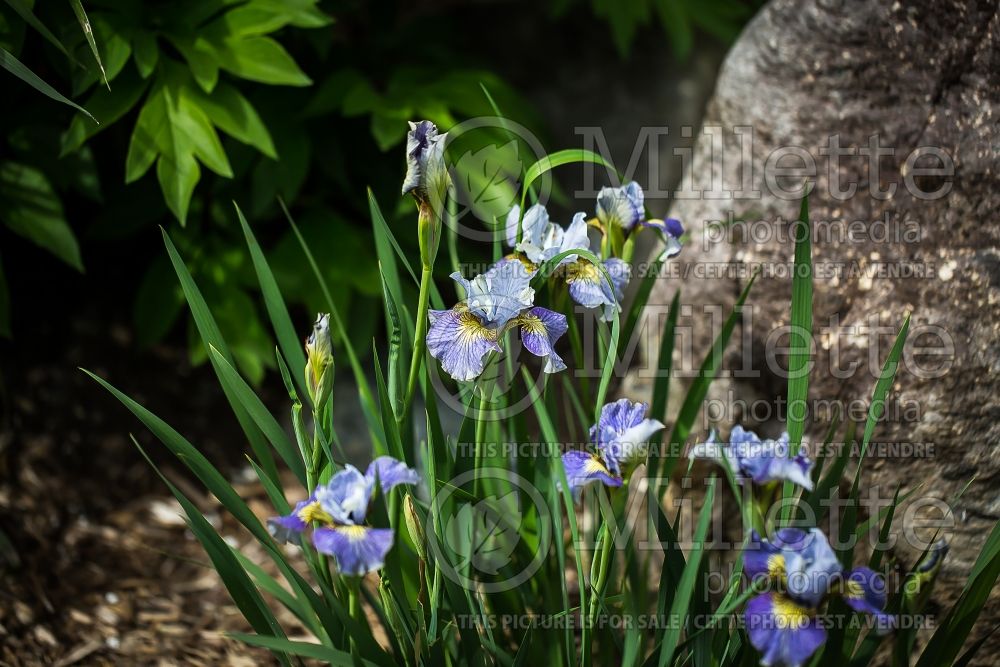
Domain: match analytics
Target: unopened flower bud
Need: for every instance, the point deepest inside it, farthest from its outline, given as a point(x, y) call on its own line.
point(319, 357)
point(414, 526)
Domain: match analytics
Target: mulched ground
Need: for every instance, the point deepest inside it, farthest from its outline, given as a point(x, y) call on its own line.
point(97, 565)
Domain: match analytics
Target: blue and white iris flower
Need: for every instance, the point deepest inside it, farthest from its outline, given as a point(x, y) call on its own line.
point(761, 461)
point(804, 571)
point(542, 240)
point(337, 512)
point(621, 438)
point(624, 207)
point(500, 299)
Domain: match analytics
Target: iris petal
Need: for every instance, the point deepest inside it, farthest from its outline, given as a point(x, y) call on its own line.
point(289, 528)
point(498, 295)
point(784, 632)
point(391, 473)
point(670, 231)
point(357, 549)
point(622, 206)
point(540, 329)
point(346, 496)
point(460, 341)
point(583, 468)
point(865, 591)
point(535, 220)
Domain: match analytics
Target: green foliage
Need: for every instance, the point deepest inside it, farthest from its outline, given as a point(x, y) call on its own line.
point(428, 617)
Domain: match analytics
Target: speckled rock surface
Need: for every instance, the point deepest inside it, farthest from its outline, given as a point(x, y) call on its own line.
point(922, 73)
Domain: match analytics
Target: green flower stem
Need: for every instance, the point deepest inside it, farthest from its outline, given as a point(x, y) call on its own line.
point(598, 579)
point(419, 341)
point(354, 605)
point(480, 438)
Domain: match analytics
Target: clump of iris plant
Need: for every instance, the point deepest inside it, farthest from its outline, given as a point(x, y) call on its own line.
point(761, 461)
point(336, 511)
point(620, 439)
point(804, 573)
point(495, 302)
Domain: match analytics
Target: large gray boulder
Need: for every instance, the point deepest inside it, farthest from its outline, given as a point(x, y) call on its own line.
point(923, 77)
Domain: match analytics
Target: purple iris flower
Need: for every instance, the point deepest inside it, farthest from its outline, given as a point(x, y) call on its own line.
point(804, 571)
point(762, 461)
point(625, 207)
point(542, 240)
point(670, 231)
point(623, 433)
point(496, 301)
point(621, 437)
point(621, 207)
point(337, 510)
point(590, 289)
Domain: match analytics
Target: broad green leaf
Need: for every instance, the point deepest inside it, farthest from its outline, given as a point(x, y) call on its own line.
point(233, 114)
point(88, 34)
point(145, 51)
point(260, 59)
point(30, 207)
point(173, 130)
point(486, 180)
point(159, 301)
point(18, 69)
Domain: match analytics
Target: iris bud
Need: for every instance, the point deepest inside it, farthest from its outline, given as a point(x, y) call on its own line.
point(319, 360)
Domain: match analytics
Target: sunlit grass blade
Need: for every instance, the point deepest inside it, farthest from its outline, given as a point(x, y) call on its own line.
point(260, 415)
point(800, 342)
point(686, 585)
point(288, 339)
point(88, 34)
point(211, 337)
point(330, 656)
point(18, 69)
point(664, 362)
point(557, 159)
point(699, 386)
point(396, 382)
